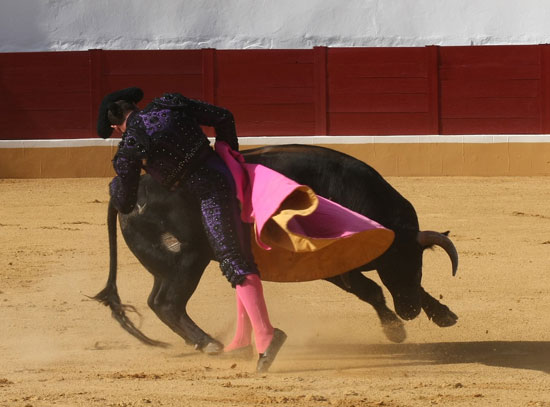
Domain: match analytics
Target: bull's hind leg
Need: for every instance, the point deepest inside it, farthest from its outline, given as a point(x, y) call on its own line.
point(367, 290)
point(169, 299)
point(439, 313)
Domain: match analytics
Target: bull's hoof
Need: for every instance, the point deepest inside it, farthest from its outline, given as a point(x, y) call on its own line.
point(445, 319)
point(213, 347)
point(394, 331)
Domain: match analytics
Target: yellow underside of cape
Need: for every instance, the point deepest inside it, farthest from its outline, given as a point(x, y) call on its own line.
point(297, 257)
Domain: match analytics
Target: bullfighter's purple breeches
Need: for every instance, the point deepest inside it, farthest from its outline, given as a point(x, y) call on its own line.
point(213, 187)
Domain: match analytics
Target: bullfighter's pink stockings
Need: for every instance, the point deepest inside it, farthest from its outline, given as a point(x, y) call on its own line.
point(251, 314)
point(243, 330)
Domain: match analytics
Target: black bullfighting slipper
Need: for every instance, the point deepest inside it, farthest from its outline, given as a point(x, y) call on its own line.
point(246, 352)
point(267, 358)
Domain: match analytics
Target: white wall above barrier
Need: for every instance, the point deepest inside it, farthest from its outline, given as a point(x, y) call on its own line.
point(54, 25)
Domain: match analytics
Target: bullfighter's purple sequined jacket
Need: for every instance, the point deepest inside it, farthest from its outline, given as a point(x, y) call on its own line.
point(166, 140)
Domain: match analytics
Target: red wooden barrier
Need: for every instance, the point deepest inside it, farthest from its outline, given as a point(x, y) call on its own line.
point(378, 91)
point(271, 92)
point(44, 95)
point(334, 91)
point(490, 90)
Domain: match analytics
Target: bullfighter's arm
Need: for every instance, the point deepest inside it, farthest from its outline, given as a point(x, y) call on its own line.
point(218, 117)
point(127, 164)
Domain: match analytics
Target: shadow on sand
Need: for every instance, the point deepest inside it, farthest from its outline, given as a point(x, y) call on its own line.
point(514, 354)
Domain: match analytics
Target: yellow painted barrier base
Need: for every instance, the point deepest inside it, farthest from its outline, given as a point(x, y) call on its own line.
point(390, 159)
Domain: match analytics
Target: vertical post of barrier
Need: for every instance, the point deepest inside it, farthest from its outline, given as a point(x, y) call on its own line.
point(434, 123)
point(96, 91)
point(320, 89)
point(544, 88)
point(208, 75)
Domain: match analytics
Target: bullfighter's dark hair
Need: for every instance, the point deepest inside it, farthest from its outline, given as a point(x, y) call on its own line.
point(113, 108)
point(117, 111)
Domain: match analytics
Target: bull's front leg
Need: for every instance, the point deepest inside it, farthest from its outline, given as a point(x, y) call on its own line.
point(367, 290)
point(168, 300)
point(439, 313)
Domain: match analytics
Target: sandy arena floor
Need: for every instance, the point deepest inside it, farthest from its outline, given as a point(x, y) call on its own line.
point(57, 347)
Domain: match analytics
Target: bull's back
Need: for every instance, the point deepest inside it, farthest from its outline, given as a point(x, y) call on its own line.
point(340, 178)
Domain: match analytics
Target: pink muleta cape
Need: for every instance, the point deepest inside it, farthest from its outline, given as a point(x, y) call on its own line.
point(298, 235)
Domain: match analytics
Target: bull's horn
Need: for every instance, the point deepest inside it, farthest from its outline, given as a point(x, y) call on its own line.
point(428, 238)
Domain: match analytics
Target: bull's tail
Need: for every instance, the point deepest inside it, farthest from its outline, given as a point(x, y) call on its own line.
point(109, 295)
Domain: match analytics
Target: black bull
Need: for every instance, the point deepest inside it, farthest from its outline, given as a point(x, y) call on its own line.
point(165, 234)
